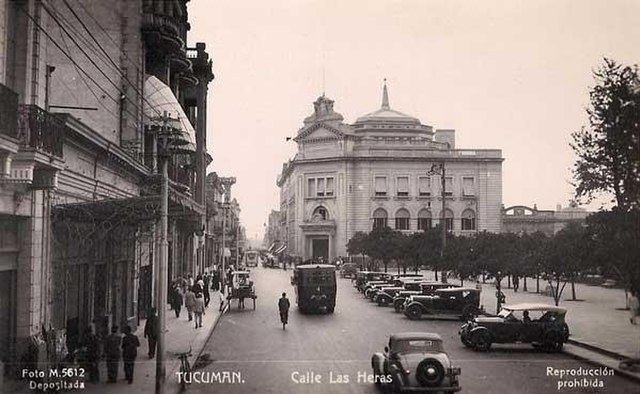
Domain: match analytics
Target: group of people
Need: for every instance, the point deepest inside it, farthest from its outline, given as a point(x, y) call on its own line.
point(193, 294)
point(116, 347)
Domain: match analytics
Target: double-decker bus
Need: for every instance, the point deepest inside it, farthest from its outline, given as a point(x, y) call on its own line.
point(251, 258)
point(315, 287)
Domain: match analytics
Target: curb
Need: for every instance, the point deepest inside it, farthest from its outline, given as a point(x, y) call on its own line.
point(197, 354)
point(597, 349)
point(619, 372)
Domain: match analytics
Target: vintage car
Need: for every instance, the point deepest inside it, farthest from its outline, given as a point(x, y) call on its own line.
point(538, 324)
point(396, 280)
point(348, 270)
point(415, 362)
point(420, 288)
point(460, 301)
point(362, 277)
point(386, 295)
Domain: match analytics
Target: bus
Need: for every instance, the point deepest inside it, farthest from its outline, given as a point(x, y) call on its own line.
point(315, 287)
point(251, 258)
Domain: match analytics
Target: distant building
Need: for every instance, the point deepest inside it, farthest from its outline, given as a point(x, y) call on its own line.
point(375, 172)
point(522, 219)
point(273, 232)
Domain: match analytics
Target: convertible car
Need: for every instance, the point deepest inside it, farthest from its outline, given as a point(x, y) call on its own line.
point(415, 362)
point(541, 325)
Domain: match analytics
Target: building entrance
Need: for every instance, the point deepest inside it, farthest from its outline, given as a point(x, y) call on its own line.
point(320, 248)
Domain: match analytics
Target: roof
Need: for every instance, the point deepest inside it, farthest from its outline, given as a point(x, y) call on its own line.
point(534, 307)
point(457, 289)
point(385, 113)
point(403, 336)
point(312, 266)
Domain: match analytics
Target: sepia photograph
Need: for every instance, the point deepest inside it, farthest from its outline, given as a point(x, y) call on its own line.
point(319, 196)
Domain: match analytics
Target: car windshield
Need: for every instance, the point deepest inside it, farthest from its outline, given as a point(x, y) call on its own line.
point(417, 345)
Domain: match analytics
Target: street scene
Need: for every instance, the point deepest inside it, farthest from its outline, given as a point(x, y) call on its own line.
point(368, 196)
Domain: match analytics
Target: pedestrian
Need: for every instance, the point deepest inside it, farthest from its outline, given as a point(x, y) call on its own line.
point(516, 283)
point(198, 285)
point(216, 280)
point(207, 295)
point(91, 344)
point(112, 350)
point(151, 331)
point(190, 282)
point(634, 307)
point(222, 297)
point(198, 309)
point(189, 302)
point(130, 344)
point(283, 308)
point(176, 299)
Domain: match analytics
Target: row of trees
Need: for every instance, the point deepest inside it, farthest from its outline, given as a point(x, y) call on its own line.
point(608, 244)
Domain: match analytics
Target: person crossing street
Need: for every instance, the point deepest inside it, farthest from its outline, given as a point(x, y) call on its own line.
point(283, 307)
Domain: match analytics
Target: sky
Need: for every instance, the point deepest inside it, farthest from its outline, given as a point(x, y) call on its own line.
point(511, 75)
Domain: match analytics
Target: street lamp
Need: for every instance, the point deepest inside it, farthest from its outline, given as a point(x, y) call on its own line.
point(439, 169)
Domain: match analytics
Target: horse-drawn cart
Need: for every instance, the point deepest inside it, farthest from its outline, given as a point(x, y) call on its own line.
point(242, 287)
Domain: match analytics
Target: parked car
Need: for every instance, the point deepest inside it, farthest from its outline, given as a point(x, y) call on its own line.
point(423, 288)
point(386, 295)
point(544, 327)
point(362, 277)
point(460, 301)
point(415, 361)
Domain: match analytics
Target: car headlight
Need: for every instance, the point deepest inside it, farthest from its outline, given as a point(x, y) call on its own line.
point(455, 371)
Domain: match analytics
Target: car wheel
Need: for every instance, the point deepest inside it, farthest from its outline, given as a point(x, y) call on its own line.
point(383, 301)
point(414, 312)
point(465, 341)
point(430, 372)
point(469, 312)
point(397, 306)
point(553, 342)
point(481, 341)
point(375, 372)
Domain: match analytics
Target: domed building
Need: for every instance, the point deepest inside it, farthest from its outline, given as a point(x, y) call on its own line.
point(382, 170)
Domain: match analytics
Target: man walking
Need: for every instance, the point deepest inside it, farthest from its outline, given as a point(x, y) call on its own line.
point(176, 299)
point(151, 331)
point(130, 345)
point(205, 291)
point(198, 309)
point(283, 307)
point(112, 349)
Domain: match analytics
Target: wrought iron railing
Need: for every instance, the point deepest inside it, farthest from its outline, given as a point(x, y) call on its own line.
point(40, 130)
point(8, 112)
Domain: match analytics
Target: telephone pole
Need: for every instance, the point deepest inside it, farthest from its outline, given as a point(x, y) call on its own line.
point(439, 169)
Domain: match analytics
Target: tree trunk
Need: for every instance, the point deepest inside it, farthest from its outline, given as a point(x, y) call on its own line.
point(524, 287)
point(461, 281)
point(573, 289)
point(509, 281)
point(435, 270)
point(385, 265)
point(483, 278)
point(538, 282)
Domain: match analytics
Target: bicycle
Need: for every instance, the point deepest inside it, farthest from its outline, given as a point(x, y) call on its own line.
point(185, 369)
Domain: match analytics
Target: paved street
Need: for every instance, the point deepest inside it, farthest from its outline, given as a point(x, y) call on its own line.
point(254, 344)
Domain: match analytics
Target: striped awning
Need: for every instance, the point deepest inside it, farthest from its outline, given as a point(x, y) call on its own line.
point(272, 247)
point(280, 249)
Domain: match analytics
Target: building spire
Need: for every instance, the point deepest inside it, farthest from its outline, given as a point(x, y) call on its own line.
point(385, 96)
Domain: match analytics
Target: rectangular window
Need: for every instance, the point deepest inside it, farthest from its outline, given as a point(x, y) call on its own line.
point(320, 187)
point(469, 223)
point(402, 223)
point(379, 222)
point(424, 186)
point(402, 186)
point(311, 187)
point(330, 187)
point(449, 223)
point(424, 223)
point(448, 186)
point(468, 187)
point(381, 186)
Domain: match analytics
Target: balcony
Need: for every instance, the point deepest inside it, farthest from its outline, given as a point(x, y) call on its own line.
point(163, 32)
point(40, 131)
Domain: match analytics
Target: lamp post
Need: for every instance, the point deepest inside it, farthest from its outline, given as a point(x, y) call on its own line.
point(439, 169)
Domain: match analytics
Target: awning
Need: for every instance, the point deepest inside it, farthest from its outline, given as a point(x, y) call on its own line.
point(160, 98)
point(281, 249)
point(273, 246)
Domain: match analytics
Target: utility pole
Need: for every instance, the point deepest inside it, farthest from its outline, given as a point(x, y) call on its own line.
point(161, 276)
point(439, 169)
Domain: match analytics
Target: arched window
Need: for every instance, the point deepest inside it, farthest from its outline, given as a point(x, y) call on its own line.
point(320, 213)
point(402, 219)
point(424, 219)
point(379, 218)
point(468, 220)
point(448, 219)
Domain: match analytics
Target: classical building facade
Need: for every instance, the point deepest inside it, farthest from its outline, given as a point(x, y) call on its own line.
point(377, 171)
point(90, 101)
point(523, 219)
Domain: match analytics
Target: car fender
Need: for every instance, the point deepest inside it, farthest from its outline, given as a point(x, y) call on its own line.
point(385, 295)
point(377, 362)
point(479, 329)
point(422, 308)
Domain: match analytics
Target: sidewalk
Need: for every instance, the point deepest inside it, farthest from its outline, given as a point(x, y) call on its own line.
point(180, 335)
point(600, 329)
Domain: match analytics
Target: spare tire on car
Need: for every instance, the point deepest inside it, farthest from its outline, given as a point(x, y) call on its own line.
point(430, 372)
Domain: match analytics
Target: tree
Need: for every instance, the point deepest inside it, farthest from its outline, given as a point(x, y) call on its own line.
point(495, 252)
point(615, 236)
point(609, 148)
point(357, 244)
point(380, 245)
point(565, 256)
point(461, 257)
point(531, 255)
